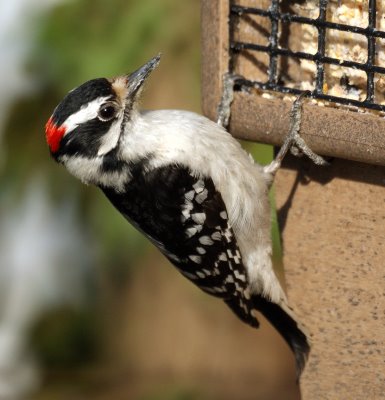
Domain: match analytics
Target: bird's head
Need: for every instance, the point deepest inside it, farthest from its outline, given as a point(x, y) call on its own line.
point(91, 118)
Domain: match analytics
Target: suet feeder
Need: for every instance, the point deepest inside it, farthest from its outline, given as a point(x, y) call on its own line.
point(332, 218)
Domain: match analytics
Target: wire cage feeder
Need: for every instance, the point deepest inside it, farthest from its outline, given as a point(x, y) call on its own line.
point(335, 50)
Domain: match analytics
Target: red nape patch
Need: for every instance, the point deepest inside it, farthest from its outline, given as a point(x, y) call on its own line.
point(53, 135)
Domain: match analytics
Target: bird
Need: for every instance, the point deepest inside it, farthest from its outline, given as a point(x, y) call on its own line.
point(187, 184)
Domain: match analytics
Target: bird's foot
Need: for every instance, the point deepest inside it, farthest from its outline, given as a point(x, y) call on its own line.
point(224, 107)
point(294, 141)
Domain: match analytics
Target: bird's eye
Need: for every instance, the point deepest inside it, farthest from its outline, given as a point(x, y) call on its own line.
point(107, 112)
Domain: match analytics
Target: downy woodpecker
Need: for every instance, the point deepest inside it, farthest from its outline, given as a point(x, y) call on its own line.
point(187, 185)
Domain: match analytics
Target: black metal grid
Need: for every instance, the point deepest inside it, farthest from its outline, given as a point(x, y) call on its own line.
point(322, 25)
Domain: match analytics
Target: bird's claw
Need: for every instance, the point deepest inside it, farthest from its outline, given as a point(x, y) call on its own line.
point(224, 107)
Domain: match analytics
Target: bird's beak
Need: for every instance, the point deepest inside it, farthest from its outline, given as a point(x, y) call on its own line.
point(137, 78)
point(128, 87)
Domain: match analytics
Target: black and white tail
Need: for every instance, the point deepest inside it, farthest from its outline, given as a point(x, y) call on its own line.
point(283, 320)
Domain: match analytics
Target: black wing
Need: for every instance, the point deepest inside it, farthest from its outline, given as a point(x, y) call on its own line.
point(186, 218)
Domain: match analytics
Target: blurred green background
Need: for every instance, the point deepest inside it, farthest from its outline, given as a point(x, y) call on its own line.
point(102, 314)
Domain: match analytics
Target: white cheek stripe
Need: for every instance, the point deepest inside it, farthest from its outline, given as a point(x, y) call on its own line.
point(110, 140)
point(87, 112)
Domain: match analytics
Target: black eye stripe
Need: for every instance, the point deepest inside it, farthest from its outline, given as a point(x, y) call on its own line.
point(86, 138)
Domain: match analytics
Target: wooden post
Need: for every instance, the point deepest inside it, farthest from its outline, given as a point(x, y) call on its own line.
point(332, 220)
point(333, 231)
point(215, 52)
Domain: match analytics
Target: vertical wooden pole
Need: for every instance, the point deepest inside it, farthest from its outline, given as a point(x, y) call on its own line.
point(333, 230)
point(215, 52)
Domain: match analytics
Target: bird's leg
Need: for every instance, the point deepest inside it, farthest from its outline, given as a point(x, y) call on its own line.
point(224, 107)
point(293, 141)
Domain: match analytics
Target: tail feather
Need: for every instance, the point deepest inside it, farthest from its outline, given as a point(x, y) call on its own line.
point(282, 318)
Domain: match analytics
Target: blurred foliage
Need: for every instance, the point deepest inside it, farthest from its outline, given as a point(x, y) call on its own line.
point(65, 337)
point(175, 394)
point(94, 38)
